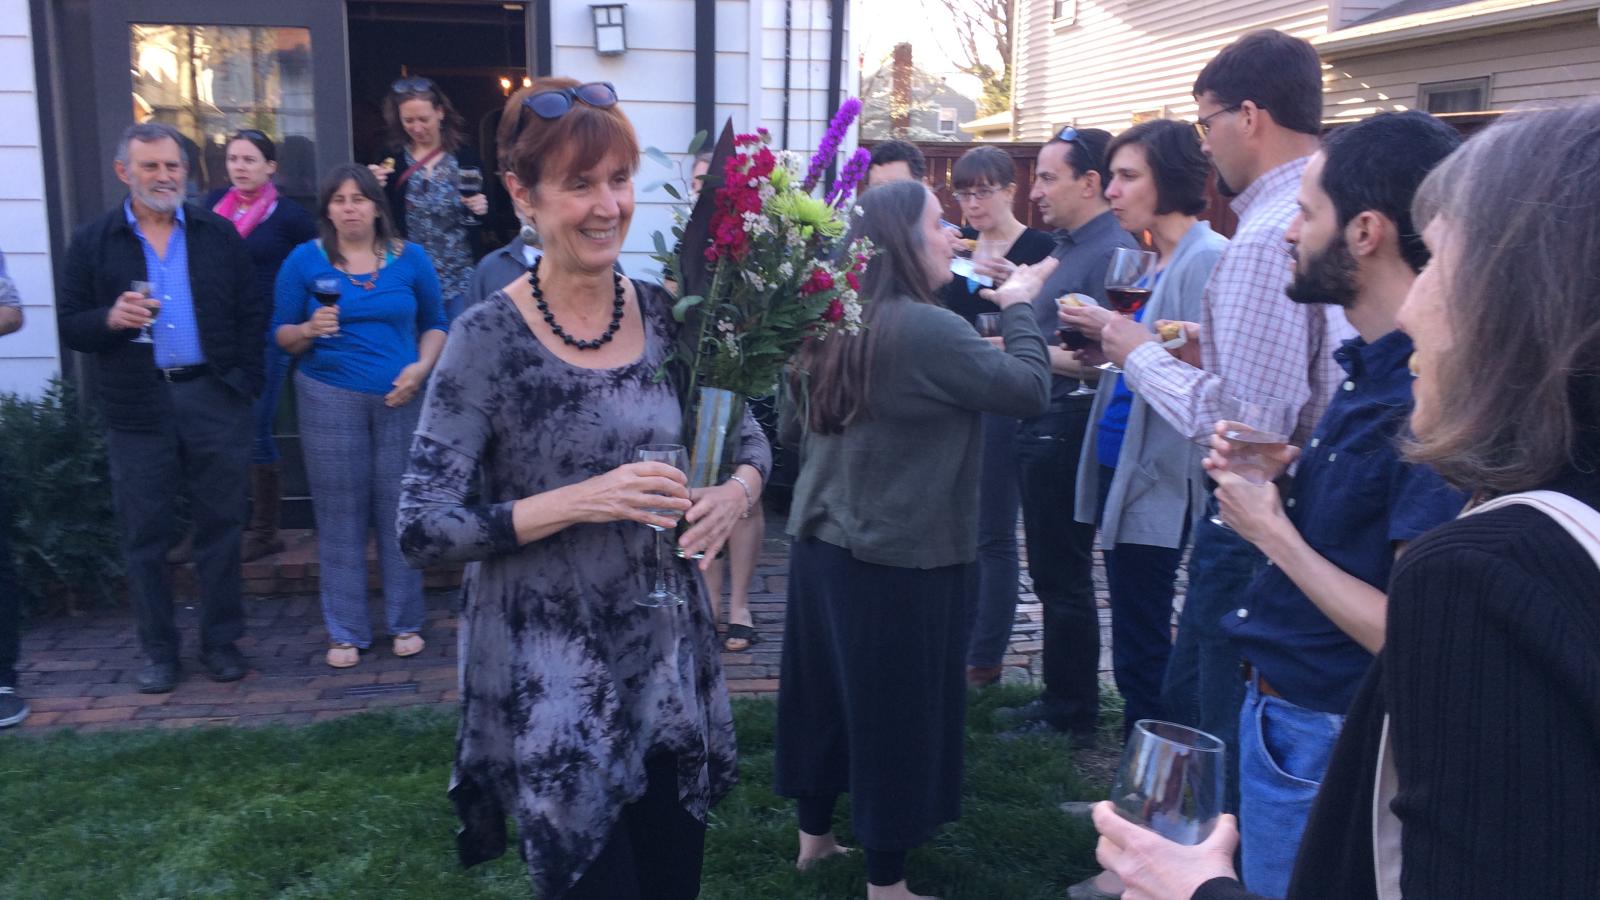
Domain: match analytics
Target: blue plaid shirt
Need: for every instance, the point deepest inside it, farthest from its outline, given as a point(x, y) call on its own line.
point(176, 333)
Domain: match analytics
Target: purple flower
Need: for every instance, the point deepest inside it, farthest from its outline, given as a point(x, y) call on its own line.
point(830, 142)
point(849, 177)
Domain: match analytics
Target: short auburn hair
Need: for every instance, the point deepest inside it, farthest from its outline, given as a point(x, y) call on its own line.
point(531, 146)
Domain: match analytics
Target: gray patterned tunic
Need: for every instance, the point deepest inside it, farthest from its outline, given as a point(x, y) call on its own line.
point(437, 219)
point(566, 684)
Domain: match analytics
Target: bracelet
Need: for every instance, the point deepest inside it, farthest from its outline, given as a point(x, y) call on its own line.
point(749, 499)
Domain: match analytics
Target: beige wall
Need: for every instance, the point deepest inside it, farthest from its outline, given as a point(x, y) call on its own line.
point(1125, 56)
point(1558, 61)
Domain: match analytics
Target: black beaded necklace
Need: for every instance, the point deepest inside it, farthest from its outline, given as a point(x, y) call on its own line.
point(557, 330)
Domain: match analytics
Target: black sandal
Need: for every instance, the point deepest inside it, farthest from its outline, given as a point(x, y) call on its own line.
point(738, 632)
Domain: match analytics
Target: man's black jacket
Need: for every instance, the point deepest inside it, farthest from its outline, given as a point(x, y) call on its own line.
point(106, 256)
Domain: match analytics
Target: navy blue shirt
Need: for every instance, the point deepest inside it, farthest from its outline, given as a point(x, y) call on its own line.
point(1353, 500)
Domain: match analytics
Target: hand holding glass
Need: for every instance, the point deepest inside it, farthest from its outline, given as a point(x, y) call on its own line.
point(1170, 781)
point(677, 456)
point(1128, 284)
point(1256, 429)
point(326, 290)
point(988, 325)
point(469, 182)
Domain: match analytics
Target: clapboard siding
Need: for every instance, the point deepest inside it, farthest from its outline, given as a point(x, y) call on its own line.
point(655, 80)
point(1124, 56)
point(31, 356)
point(1556, 62)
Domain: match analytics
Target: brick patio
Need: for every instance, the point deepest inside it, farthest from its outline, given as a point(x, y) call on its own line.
point(80, 672)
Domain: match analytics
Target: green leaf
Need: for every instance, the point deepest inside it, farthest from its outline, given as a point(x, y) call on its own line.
point(697, 142)
point(661, 243)
point(659, 157)
point(672, 190)
point(680, 310)
point(654, 186)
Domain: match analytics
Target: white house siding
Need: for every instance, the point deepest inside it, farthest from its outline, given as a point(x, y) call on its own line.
point(1121, 57)
point(1558, 61)
point(29, 357)
point(1343, 14)
point(655, 80)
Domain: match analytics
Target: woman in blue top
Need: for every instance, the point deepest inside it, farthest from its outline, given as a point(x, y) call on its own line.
point(271, 227)
point(1137, 476)
point(362, 363)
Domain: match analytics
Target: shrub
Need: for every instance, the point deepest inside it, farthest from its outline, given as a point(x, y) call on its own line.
point(58, 498)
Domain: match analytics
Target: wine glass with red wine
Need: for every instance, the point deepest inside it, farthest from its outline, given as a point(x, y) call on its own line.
point(326, 292)
point(1129, 278)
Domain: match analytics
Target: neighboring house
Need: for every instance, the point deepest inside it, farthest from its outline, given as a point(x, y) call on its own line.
point(1111, 63)
point(77, 70)
point(992, 129)
point(932, 110)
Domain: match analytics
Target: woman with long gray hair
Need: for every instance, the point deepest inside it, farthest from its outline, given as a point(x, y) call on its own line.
point(1468, 763)
point(872, 697)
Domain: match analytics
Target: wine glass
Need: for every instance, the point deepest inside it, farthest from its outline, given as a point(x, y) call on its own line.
point(326, 290)
point(469, 182)
point(1170, 780)
point(1128, 284)
point(1073, 339)
point(1258, 427)
point(677, 456)
point(988, 324)
point(144, 289)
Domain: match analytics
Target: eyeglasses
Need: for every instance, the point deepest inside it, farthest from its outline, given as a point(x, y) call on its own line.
point(557, 103)
point(1202, 125)
point(412, 85)
point(979, 194)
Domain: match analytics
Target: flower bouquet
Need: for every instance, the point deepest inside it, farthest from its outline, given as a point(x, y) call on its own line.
point(761, 266)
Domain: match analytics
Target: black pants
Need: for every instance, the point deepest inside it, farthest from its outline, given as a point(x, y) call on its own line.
point(10, 597)
point(1061, 562)
point(655, 850)
point(203, 446)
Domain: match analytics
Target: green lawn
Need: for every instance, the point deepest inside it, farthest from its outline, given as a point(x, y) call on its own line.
point(356, 808)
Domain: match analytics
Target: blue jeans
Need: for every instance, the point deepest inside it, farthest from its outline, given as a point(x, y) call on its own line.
point(1283, 756)
point(265, 451)
point(1203, 689)
point(992, 590)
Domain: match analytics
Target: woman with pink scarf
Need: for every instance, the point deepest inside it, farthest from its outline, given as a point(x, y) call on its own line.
point(271, 227)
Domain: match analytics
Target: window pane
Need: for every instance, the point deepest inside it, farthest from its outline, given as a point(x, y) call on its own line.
point(209, 81)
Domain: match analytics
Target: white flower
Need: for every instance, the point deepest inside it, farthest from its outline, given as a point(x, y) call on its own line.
point(725, 326)
point(786, 270)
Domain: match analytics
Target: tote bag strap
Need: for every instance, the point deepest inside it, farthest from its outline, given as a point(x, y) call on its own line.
point(1582, 522)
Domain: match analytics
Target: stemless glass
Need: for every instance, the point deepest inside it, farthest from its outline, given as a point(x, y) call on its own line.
point(677, 456)
point(988, 324)
point(144, 289)
point(1257, 427)
point(1170, 780)
point(1128, 284)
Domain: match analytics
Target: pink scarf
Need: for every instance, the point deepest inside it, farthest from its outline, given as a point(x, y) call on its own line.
point(245, 218)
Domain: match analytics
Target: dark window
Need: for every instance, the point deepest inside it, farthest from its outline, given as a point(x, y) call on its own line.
point(1470, 95)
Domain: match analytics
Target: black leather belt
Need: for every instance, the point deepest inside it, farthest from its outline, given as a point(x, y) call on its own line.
point(1252, 673)
point(182, 373)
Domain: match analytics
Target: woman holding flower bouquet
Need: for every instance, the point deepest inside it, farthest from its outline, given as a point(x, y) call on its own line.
point(601, 725)
point(884, 520)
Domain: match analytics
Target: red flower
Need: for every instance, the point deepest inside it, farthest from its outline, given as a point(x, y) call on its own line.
point(819, 281)
point(835, 311)
point(855, 283)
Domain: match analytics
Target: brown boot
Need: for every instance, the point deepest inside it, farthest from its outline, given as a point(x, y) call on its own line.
point(261, 538)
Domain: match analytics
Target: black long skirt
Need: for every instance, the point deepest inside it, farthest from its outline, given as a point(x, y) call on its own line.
point(872, 695)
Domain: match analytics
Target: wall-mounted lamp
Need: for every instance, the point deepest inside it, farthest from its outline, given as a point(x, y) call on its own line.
point(610, 35)
point(505, 85)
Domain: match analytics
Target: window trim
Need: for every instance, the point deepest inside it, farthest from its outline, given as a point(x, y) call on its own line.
point(1063, 13)
point(1483, 83)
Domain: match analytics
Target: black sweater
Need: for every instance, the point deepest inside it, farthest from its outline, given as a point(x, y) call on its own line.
point(105, 255)
point(959, 297)
point(269, 243)
point(1491, 678)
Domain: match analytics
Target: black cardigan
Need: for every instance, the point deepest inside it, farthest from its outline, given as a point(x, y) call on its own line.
point(1491, 678)
point(270, 242)
point(105, 255)
point(466, 158)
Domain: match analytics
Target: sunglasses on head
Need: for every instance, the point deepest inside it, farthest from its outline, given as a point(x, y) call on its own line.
point(1068, 135)
point(412, 85)
point(557, 103)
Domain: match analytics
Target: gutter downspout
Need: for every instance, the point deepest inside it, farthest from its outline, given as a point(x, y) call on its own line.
point(705, 66)
point(788, 66)
point(835, 70)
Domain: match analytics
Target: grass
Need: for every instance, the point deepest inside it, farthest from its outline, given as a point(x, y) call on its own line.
point(356, 808)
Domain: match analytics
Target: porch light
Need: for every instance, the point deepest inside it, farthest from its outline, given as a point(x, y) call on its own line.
point(610, 35)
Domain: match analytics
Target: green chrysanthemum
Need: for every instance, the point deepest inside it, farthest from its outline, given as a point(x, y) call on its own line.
point(808, 212)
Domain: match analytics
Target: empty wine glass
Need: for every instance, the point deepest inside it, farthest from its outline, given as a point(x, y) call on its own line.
point(1257, 428)
point(677, 456)
point(1128, 284)
point(1170, 780)
point(144, 289)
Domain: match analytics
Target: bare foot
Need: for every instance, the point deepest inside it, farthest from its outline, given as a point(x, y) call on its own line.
point(814, 847)
point(897, 891)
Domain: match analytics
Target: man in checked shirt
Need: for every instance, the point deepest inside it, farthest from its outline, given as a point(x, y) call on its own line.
point(1260, 114)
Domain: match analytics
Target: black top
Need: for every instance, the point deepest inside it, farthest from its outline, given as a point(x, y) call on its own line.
point(1491, 677)
point(105, 255)
point(961, 297)
point(269, 243)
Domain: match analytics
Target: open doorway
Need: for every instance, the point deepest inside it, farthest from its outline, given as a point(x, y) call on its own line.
point(476, 53)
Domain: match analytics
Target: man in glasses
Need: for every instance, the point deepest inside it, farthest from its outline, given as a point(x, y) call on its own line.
point(1069, 188)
